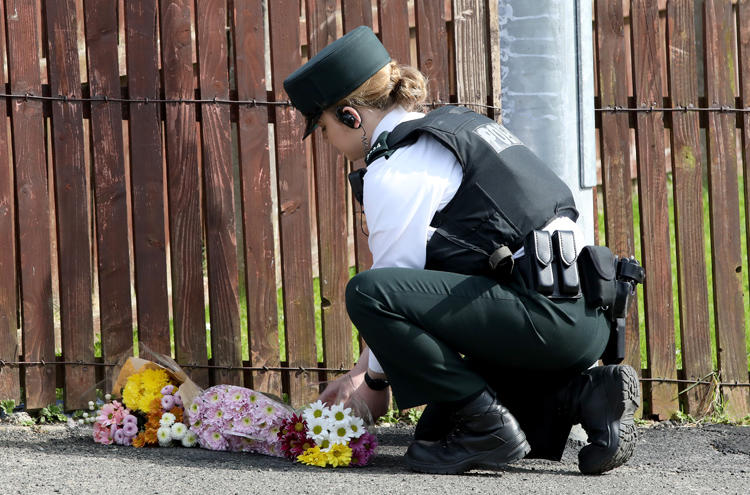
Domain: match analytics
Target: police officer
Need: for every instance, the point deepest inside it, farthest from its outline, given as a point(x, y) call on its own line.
point(460, 311)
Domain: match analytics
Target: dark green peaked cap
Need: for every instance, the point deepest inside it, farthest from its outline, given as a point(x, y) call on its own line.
point(334, 72)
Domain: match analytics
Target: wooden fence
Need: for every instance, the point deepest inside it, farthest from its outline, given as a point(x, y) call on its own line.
point(151, 168)
point(680, 66)
point(125, 120)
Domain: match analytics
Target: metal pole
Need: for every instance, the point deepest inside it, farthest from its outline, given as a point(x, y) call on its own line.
point(548, 89)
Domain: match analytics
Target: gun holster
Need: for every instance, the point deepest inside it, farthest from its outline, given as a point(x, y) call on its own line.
point(609, 282)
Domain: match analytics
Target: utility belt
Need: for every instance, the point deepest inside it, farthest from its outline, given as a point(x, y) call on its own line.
point(552, 266)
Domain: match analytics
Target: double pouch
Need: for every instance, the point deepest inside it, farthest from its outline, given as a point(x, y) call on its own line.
point(550, 264)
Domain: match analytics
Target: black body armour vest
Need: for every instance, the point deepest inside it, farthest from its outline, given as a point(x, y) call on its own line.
point(506, 191)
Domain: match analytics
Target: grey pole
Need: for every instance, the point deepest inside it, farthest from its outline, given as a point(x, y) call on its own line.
point(547, 82)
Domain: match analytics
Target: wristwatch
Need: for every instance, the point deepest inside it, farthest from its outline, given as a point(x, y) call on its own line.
point(376, 383)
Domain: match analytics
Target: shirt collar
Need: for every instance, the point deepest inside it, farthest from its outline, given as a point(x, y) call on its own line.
point(389, 121)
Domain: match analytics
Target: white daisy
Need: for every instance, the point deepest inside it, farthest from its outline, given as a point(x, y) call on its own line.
point(314, 411)
point(341, 433)
point(178, 431)
point(164, 434)
point(190, 439)
point(357, 426)
point(317, 429)
point(339, 414)
point(167, 419)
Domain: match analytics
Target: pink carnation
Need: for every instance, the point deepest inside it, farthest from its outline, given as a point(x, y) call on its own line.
point(102, 434)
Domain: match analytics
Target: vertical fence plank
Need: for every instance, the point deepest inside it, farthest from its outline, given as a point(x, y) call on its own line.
point(724, 205)
point(33, 203)
point(432, 48)
point(494, 98)
point(255, 173)
point(393, 23)
point(221, 237)
point(183, 182)
point(147, 174)
point(9, 376)
point(110, 193)
point(354, 15)
point(294, 208)
point(615, 150)
point(688, 200)
point(652, 182)
point(73, 244)
point(330, 183)
point(470, 42)
point(743, 36)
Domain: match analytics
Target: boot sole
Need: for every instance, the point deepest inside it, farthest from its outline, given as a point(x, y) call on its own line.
point(491, 459)
point(627, 396)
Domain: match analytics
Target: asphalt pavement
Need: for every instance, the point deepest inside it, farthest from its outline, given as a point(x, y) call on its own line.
point(59, 459)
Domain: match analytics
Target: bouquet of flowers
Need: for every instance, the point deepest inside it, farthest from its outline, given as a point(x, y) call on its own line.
point(151, 411)
point(161, 406)
point(226, 417)
point(323, 436)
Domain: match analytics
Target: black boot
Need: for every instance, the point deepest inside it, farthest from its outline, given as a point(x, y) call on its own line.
point(603, 399)
point(484, 434)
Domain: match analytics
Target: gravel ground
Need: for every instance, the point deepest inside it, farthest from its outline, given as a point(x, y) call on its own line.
point(58, 459)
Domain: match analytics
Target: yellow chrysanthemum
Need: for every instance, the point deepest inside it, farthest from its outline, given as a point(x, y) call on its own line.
point(339, 455)
point(143, 388)
point(313, 457)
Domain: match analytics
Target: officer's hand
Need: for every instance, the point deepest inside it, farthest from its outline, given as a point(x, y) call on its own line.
point(354, 392)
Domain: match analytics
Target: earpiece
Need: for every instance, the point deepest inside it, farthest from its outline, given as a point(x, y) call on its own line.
point(348, 116)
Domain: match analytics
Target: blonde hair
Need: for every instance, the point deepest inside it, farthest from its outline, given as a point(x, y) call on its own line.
point(393, 84)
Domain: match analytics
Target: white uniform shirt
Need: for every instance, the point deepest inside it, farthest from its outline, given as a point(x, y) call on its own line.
point(401, 195)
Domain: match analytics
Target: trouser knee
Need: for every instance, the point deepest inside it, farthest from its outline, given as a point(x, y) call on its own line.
point(361, 300)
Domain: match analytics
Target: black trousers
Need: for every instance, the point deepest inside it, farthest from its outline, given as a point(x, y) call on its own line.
point(443, 336)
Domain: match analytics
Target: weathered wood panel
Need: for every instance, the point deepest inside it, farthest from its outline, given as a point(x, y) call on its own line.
point(615, 150)
point(356, 13)
point(32, 197)
point(724, 205)
point(330, 182)
point(109, 183)
point(146, 171)
point(493, 27)
point(743, 39)
point(393, 24)
point(294, 205)
point(432, 48)
point(688, 194)
point(9, 376)
point(183, 182)
point(470, 42)
point(255, 173)
point(74, 249)
point(221, 237)
point(652, 185)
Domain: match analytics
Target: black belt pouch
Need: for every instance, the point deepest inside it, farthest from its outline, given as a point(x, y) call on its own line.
point(564, 248)
point(538, 251)
point(597, 267)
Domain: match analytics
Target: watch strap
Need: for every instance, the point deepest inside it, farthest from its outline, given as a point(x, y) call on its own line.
point(376, 383)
